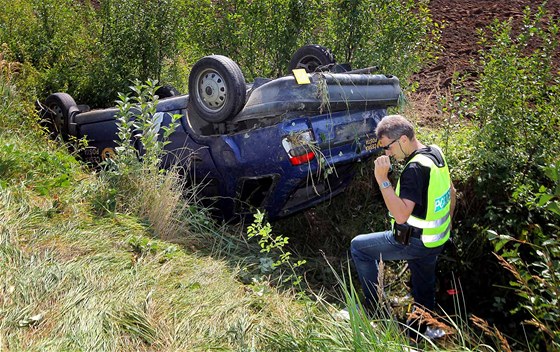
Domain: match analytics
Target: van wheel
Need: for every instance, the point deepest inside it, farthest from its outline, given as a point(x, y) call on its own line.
point(166, 91)
point(216, 88)
point(59, 106)
point(311, 58)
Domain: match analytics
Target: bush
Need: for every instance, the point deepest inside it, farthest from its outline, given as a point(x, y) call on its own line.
point(397, 36)
point(260, 36)
point(54, 38)
point(535, 265)
point(16, 110)
point(263, 35)
point(91, 50)
point(513, 118)
point(133, 41)
point(517, 108)
point(91, 53)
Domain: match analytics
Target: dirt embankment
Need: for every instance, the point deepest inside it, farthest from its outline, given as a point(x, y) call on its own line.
point(462, 19)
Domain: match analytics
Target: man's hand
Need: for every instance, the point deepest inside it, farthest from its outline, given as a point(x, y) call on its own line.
point(398, 207)
point(382, 167)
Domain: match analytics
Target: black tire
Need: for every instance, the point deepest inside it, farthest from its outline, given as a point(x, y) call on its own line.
point(166, 91)
point(216, 88)
point(311, 57)
point(58, 107)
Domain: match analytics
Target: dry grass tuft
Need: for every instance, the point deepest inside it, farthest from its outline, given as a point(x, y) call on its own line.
point(424, 316)
point(509, 268)
point(540, 326)
point(491, 331)
point(380, 280)
point(160, 201)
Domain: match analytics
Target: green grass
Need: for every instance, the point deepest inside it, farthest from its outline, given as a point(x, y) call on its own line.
point(73, 280)
point(73, 283)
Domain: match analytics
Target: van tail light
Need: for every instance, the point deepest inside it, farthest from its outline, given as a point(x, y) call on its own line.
point(301, 159)
point(298, 147)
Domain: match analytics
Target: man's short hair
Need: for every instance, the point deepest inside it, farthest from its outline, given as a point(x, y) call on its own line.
point(394, 126)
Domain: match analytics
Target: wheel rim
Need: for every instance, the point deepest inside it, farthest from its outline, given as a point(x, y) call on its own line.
point(212, 90)
point(58, 117)
point(309, 63)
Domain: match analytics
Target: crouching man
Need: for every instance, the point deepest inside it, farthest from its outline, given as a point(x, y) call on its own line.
point(420, 204)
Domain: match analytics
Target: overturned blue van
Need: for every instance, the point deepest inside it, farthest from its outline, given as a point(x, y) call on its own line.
point(280, 145)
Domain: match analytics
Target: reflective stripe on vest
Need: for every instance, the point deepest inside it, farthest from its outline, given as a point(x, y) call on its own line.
point(436, 237)
point(425, 224)
point(436, 227)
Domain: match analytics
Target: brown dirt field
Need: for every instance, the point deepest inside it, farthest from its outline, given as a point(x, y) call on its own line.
point(461, 19)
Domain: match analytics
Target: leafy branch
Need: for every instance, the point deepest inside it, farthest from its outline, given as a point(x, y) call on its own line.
point(271, 243)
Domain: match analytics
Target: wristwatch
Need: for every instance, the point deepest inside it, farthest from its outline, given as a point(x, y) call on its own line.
point(385, 184)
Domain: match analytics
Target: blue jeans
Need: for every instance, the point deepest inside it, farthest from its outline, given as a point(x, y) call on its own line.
point(367, 249)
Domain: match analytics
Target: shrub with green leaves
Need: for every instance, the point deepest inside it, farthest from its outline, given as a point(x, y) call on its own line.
point(515, 117)
point(134, 180)
point(92, 49)
point(397, 36)
point(263, 35)
point(513, 120)
point(260, 36)
point(55, 40)
point(535, 264)
point(91, 52)
point(517, 107)
point(134, 41)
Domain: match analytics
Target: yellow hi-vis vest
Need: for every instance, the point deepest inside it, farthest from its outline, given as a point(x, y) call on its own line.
point(437, 224)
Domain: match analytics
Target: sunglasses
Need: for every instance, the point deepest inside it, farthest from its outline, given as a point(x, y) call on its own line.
point(388, 145)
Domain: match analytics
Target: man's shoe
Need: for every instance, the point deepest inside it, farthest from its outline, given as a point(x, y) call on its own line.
point(434, 333)
point(342, 314)
point(416, 331)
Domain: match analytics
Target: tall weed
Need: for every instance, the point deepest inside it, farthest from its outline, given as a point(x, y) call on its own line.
point(271, 244)
point(135, 182)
